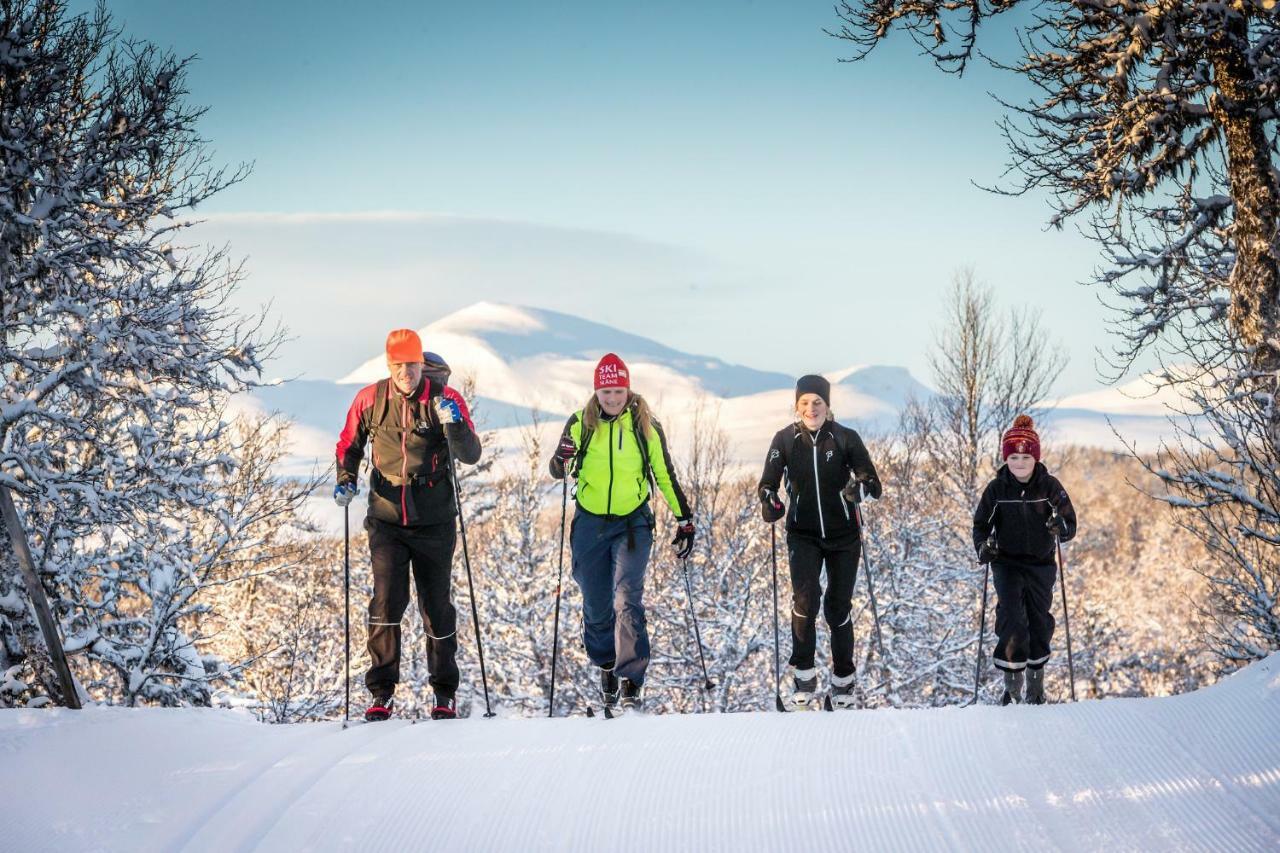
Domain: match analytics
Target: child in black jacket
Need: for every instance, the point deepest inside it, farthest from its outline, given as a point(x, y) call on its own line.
point(1023, 513)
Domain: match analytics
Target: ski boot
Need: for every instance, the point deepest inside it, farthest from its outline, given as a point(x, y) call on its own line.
point(379, 710)
point(445, 708)
point(804, 693)
point(1012, 688)
point(630, 695)
point(1035, 686)
point(609, 687)
point(842, 694)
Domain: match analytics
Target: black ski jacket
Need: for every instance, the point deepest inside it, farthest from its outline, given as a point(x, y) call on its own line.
point(817, 467)
point(1018, 513)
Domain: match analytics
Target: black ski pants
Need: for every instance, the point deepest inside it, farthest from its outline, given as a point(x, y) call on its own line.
point(429, 550)
point(1024, 625)
point(808, 554)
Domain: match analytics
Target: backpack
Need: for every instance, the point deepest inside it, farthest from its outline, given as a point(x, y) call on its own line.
point(641, 442)
point(437, 374)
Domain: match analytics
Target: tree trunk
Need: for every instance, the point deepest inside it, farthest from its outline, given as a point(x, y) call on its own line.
point(1255, 281)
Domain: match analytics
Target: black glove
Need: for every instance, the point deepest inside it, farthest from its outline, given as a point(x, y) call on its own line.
point(853, 492)
point(684, 538)
point(988, 551)
point(771, 508)
point(565, 451)
point(1056, 525)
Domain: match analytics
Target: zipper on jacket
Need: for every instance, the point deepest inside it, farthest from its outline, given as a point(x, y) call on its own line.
point(608, 501)
point(1026, 524)
point(404, 460)
point(816, 491)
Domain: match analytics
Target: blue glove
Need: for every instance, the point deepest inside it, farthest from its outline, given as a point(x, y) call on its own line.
point(448, 411)
point(344, 492)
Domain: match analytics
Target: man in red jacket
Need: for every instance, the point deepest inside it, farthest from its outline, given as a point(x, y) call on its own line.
point(412, 421)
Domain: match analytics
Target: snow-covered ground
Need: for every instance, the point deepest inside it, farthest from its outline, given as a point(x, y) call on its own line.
point(1193, 772)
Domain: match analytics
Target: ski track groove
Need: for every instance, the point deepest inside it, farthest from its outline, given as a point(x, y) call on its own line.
point(213, 834)
point(990, 792)
point(1105, 758)
point(1199, 800)
point(259, 769)
point(1089, 773)
point(934, 801)
point(1186, 713)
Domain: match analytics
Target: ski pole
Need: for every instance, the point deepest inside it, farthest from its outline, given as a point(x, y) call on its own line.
point(346, 607)
point(466, 561)
point(1066, 616)
point(982, 631)
point(707, 683)
point(555, 632)
point(777, 675)
point(871, 592)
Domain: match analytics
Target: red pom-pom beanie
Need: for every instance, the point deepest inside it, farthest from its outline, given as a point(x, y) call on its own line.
point(1021, 438)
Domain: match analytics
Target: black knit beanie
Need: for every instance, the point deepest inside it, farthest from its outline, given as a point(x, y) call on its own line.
point(813, 384)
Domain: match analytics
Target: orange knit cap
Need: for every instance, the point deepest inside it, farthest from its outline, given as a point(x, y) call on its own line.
point(404, 346)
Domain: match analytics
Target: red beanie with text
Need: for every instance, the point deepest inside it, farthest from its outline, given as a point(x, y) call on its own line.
point(612, 372)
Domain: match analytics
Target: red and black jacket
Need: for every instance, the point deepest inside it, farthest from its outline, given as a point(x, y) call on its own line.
point(409, 482)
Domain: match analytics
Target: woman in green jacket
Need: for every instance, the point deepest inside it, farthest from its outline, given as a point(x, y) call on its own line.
point(617, 452)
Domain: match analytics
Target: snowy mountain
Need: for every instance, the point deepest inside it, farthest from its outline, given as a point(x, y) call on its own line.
point(530, 365)
point(518, 354)
point(1192, 772)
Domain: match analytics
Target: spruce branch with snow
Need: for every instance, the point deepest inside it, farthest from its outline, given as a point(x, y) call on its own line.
point(1155, 124)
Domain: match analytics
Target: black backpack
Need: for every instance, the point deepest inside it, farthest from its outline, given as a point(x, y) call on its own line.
point(437, 374)
point(641, 442)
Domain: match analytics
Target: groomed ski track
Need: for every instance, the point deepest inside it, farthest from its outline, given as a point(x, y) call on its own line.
point(1194, 772)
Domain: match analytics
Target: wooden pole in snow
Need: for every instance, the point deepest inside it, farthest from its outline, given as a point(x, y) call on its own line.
point(38, 600)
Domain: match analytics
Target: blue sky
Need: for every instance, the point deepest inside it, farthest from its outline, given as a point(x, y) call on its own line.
point(707, 174)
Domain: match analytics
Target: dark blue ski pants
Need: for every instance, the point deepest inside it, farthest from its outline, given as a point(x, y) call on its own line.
point(610, 556)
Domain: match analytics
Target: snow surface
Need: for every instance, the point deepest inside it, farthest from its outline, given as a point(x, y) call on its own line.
point(1193, 772)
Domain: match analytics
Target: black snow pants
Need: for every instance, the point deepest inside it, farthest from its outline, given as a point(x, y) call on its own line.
point(1024, 625)
point(429, 549)
point(807, 555)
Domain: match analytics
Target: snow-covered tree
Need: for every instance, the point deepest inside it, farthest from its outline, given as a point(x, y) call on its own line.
point(117, 350)
point(1156, 122)
point(721, 594)
point(924, 575)
point(987, 367)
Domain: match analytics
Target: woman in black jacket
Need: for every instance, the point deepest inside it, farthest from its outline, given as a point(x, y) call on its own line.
point(1023, 513)
point(827, 470)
